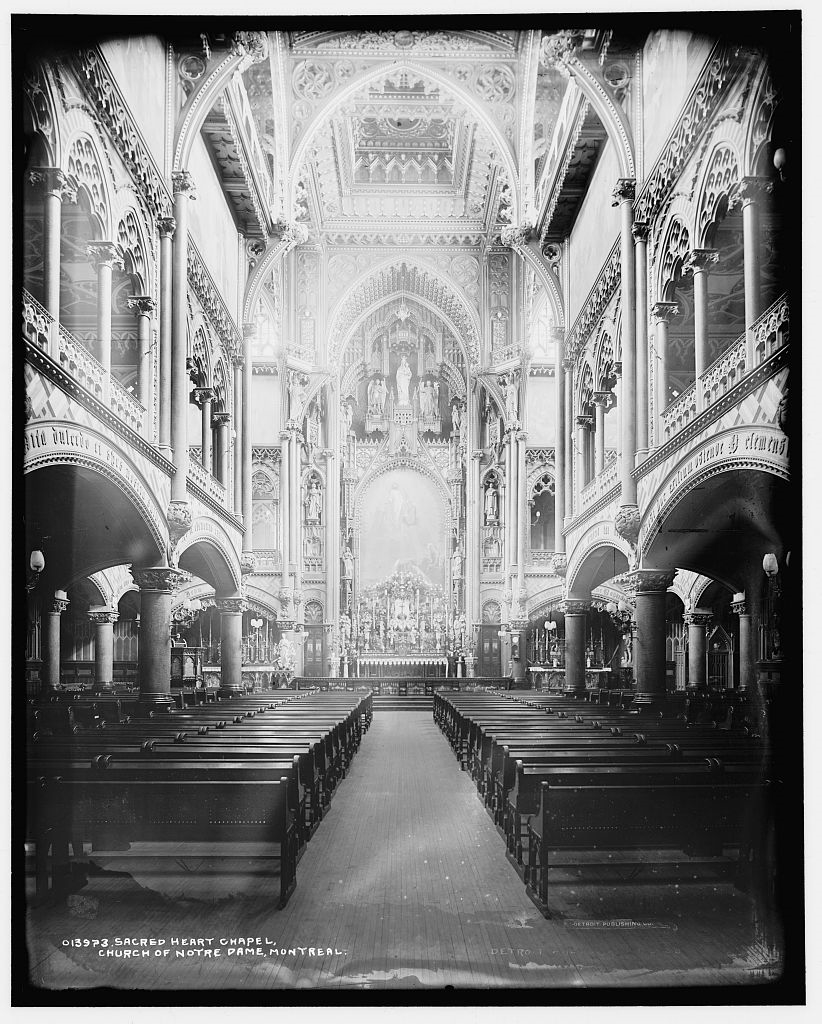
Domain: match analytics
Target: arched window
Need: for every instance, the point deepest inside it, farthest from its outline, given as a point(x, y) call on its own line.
point(542, 514)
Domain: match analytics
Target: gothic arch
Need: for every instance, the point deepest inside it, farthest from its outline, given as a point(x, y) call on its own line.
point(84, 163)
point(677, 237)
point(716, 188)
point(341, 96)
point(342, 323)
point(210, 557)
point(530, 253)
point(589, 567)
point(419, 465)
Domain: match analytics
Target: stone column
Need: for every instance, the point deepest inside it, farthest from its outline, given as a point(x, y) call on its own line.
point(104, 257)
point(204, 397)
point(522, 524)
point(51, 641)
point(747, 643)
point(624, 197)
point(103, 619)
point(750, 192)
point(584, 425)
point(601, 400)
point(663, 313)
point(166, 226)
point(331, 513)
point(156, 584)
point(237, 457)
point(568, 439)
point(513, 510)
point(697, 622)
point(296, 514)
point(559, 440)
point(231, 644)
point(475, 534)
point(640, 233)
point(249, 332)
point(143, 306)
point(519, 628)
point(649, 646)
point(57, 188)
point(221, 421)
point(285, 502)
point(184, 192)
point(576, 616)
point(698, 262)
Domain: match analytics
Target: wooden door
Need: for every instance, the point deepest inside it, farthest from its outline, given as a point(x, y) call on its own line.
point(314, 653)
point(490, 664)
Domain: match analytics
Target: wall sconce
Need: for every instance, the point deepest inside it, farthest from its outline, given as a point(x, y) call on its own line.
point(779, 161)
point(770, 565)
point(37, 564)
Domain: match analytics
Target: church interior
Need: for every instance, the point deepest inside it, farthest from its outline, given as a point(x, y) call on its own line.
point(409, 534)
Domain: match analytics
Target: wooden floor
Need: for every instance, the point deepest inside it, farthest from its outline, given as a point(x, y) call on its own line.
point(404, 885)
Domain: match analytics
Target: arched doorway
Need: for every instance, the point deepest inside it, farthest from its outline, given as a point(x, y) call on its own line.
point(314, 662)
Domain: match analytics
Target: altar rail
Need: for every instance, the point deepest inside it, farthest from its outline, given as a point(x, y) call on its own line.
point(401, 685)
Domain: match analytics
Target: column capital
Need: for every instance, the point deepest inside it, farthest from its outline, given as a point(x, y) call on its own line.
point(700, 259)
point(166, 226)
point(750, 190)
point(238, 360)
point(179, 519)
point(624, 191)
point(627, 522)
point(161, 578)
point(739, 607)
point(640, 230)
point(649, 581)
point(572, 606)
point(53, 181)
point(664, 312)
point(617, 368)
point(102, 615)
point(59, 605)
point(568, 363)
point(585, 421)
point(698, 617)
point(105, 254)
point(220, 419)
point(516, 235)
point(229, 605)
point(285, 436)
point(202, 395)
point(249, 330)
point(602, 398)
point(144, 305)
point(248, 562)
point(522, 436)
point(477, 454)
point(182, 183)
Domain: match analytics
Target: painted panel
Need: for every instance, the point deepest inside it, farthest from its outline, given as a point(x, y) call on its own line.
point(540, 420)
point(403, 524)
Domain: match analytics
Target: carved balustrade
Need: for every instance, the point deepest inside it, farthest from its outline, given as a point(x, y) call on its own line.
point(603, 482)
point(680, 412)
point(37, 322)
point(267, 560)
point(76, 360)
point(771, 330)
point(205, 481)
point(125, 406)
point(724, 373)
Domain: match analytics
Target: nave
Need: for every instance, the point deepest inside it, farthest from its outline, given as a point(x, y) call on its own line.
point(406, 876)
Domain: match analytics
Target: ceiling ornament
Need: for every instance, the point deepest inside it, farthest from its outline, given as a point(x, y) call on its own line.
point(410, 41)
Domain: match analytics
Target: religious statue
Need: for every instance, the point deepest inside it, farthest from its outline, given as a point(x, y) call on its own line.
point(511, 402)
point(348, 563)
point(491, 513)
point(456, 418)
point(435, 398)
point(456, 564)
point(403, 382)
point(382, 392)
point(296, 393)
point(313, 503)
point(348, 414)
point(372, 397)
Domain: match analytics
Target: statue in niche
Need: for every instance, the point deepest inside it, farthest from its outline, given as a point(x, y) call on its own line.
point(348, 416)
point(348, 563)
point(296, 394)
point(456, 419)
point(511, 402)
point(435, 399)
point(456, 564)
point(313, 502)
point(491, 504)
point(403, 382)
point(376, 396)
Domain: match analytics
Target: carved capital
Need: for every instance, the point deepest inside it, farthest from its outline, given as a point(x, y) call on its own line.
point(700, 259)
point(559, 48)
point(220, 419)
point(229, 605)
point(568, 364)
point(237, 360)
point(602, 398)
point(739, 607)
point(105, 254)
point(574, 607)
point(291, 231)
point(248, 562)
point(251, 46)
point(101, 615)
point(559, 563)
point(162, 578)
point(59, 605)
point(698, 617)
point(624, 191)
point(477, 454)
point(617, 368)
point(750, 190)
point(626, 523)
point(515, 235)
point(144, 305)
point(249, 331)
point(182, 184)
point(649, 581)
point(53, 181)
point(585, 421)
point(641, 230)
point(166, 226)
point(202, 395)
point(178, 517)
point(664, 312)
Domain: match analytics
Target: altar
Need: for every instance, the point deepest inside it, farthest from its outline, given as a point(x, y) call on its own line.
point(552, 677)
point(372, 666)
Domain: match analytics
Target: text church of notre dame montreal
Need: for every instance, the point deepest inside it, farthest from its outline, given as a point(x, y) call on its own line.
point(407, 507)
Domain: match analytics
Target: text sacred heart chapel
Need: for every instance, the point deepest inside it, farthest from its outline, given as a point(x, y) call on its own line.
point(408, 514)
